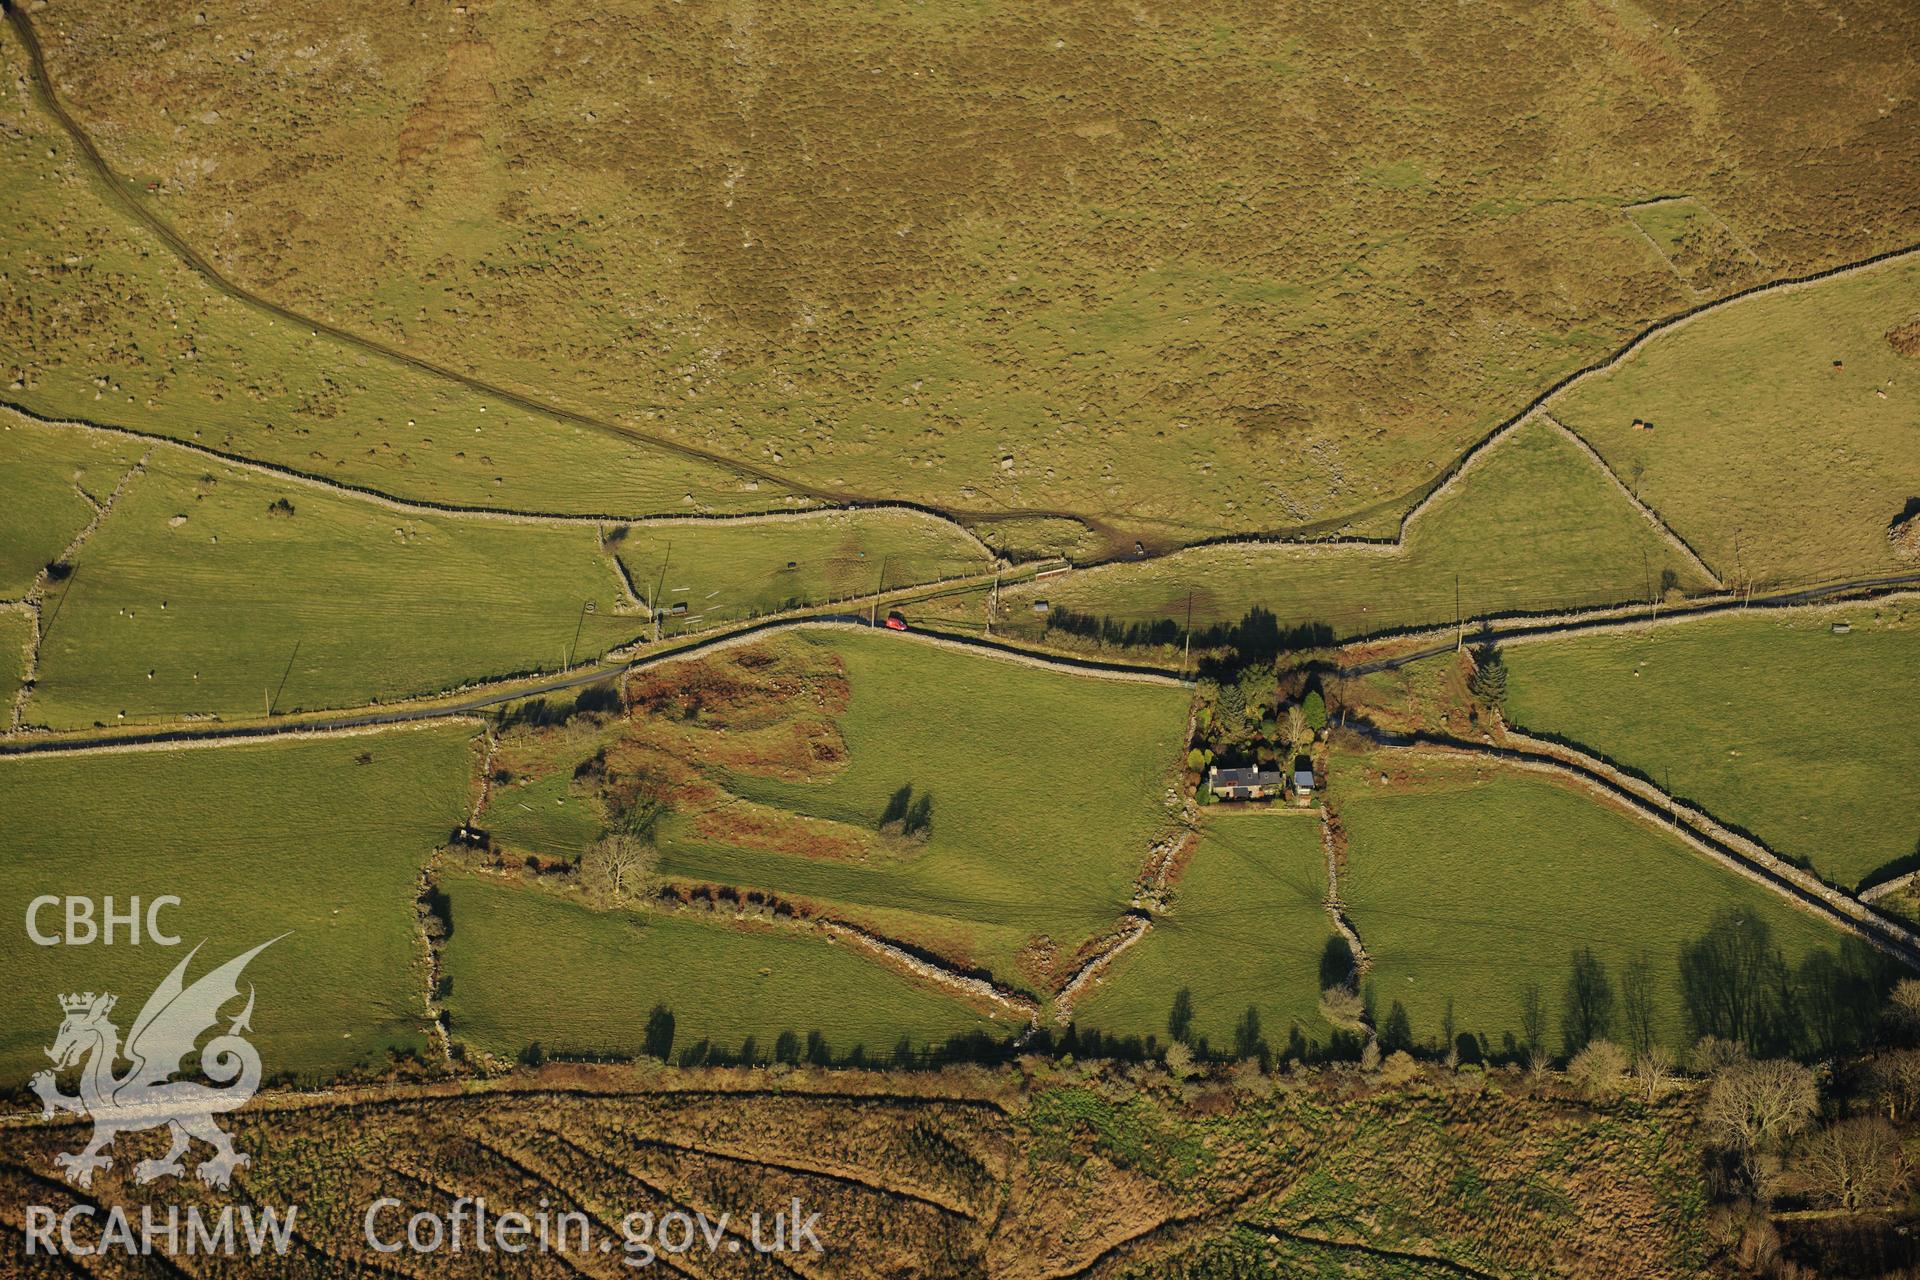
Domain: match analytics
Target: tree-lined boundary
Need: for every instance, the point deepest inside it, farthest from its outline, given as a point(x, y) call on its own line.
point(1694, 828)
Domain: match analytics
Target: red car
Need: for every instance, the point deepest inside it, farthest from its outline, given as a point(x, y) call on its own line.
point(895, 622)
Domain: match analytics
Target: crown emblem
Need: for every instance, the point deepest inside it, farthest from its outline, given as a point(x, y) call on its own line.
point(82, 1003)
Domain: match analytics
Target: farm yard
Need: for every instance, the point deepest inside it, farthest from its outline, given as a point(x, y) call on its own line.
point(323, 841)
point(1532, 526)
point(1472, 884)
point(1246, 931)
point(511, 950)
point(1808, 739)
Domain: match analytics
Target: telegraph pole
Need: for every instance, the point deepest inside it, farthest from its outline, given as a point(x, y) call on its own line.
point(1459, 622)
point(586, 607)
point(659, 591)
point(1186, 651)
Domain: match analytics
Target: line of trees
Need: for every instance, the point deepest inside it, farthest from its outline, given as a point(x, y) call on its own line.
point(1737, 990)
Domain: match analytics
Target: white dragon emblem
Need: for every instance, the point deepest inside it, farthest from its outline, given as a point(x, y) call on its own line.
point(147, 1096)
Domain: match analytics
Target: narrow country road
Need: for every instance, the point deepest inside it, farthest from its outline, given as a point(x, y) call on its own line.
point(1600, 619)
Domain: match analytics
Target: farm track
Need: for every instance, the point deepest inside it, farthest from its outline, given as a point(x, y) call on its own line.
point(1375, 1252)
point(119, 193)
point(1610, 618)
point(466, 708)
point(1697, 829)
point(1491, 630)
point(504, 515)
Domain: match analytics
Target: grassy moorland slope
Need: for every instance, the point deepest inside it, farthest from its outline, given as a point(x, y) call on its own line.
point(98, 321)
point(1807, 739)
point(1786, 429)
point(322, 841)
point(1533, 526)
point(1001, 256)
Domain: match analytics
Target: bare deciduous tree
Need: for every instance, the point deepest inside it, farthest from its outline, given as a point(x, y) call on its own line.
point(1533, 1020)
point(1343, 1008)
point(1752, 1106)
point(1298, 734)
point(1856, 1163)
point(613, 868)
point(1903, 1009)
point(1895, 1077)
point(1637, 1004)
point(1652, 1070)
point(1599, 1069)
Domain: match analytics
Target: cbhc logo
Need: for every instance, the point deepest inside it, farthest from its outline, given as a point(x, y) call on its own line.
point(85, 925)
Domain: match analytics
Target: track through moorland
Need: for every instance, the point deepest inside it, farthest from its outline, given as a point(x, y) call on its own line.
point(122, 196)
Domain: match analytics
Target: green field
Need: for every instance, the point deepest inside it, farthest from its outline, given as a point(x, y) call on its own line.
point(192, 597)
point(1771, 461)
point(1769, 722)
point(322, 839)
point(40, 468)
point(1468, 885)
point(1046, 792)
point(1534, 526)
point(727, 571)
point(543, 816)
point(1247, 930)
point(528, 967)
point(15, 631)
